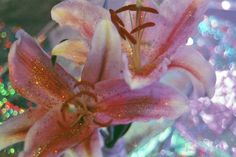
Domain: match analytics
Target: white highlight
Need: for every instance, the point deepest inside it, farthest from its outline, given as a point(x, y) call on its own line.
point(226, 5)
point(190, 41)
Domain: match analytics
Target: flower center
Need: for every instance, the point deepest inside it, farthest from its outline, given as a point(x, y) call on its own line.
point(82, 104)
point(138, 25)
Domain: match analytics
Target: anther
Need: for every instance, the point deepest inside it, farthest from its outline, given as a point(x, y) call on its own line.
point(116, 18)
point(124, 32)
point(143, 26)
point(119, 29)
point(133, 7)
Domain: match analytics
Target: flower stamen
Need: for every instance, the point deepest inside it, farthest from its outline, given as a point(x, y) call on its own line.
point(133, 7)
point(135, 41)
point(125, 33)
point(142, 27)
point(116, 18)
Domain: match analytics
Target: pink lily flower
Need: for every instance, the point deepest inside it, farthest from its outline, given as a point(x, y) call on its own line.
point(68, 112)
point(102, 97)
point(160, 53)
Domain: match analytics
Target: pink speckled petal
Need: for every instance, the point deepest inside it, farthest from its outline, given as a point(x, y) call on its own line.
point(177, 22)
point(123, 105)
point(80, 14)
point(52, 135)
point(90, 147)
point(193, 62)
point(75, 50)
point(33, 76)
point(14, 130)
point(104, 60)
point(174, 24)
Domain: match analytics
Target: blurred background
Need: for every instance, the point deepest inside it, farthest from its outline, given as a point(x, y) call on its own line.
point(216, 40)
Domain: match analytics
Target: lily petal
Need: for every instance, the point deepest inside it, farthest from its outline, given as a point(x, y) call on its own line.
point(179, 80)
point(90, 147)
point(184, 81)
point(104, 60)
point(178, 21)
point(14, 130)
point(75, 50)
point(192, 61)
point(173, 25)
point(52, 135)
point(79, 14)
point(33, 76)
point(108, 4)
point(97, 2)
point(137, 81)
point(123, 105)
point(114, 4)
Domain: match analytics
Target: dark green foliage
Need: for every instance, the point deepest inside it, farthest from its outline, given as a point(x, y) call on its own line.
point(53, 60)
point(114, 133)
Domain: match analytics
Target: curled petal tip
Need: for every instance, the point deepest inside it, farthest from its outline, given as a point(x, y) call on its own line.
point(20, 33)
point(79, 14)
point(74, 50)
point(179, 80)
point(191, 60)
